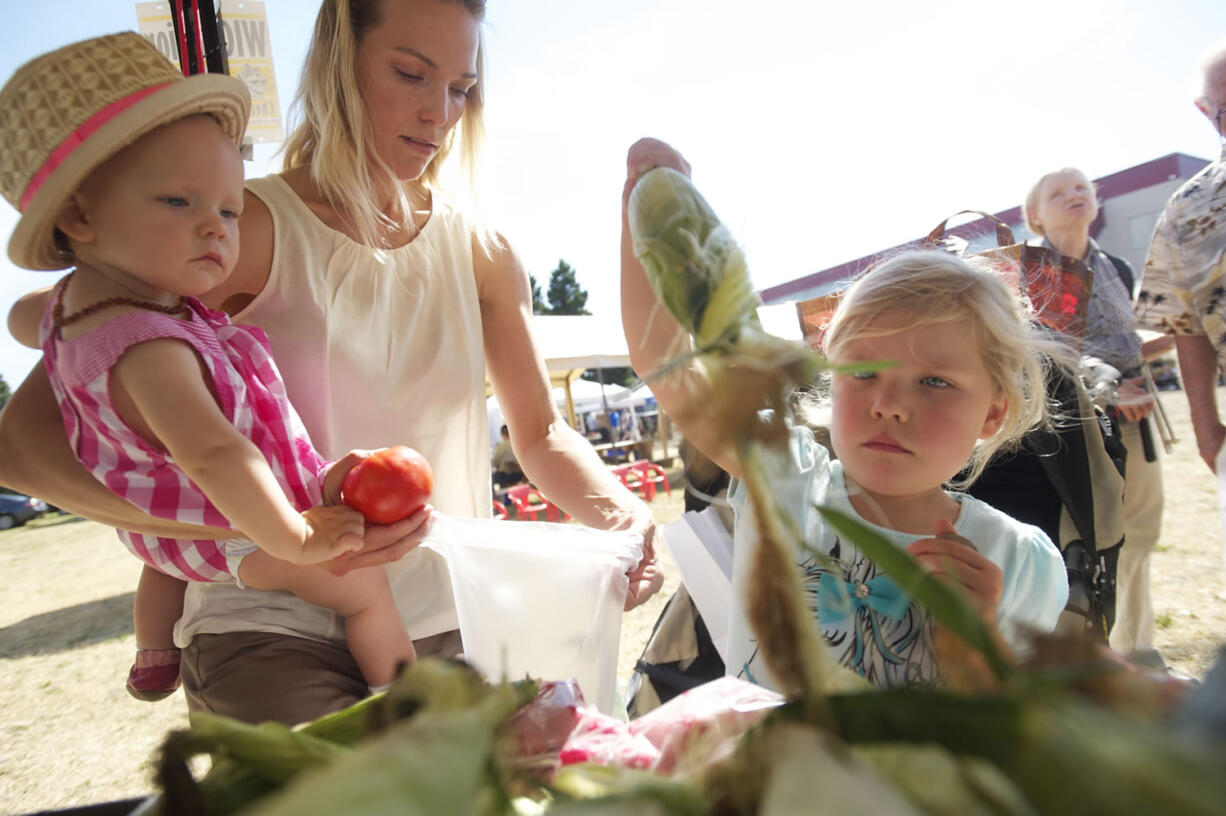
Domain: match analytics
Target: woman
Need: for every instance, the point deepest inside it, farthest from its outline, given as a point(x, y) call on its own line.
point(368, 284)
point(1060, 208)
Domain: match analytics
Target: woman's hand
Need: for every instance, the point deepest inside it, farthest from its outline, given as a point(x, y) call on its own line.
point(646, 578)
point(953, 557)
point(384, 543)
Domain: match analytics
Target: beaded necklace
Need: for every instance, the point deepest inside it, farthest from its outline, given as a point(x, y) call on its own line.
point(59, 320)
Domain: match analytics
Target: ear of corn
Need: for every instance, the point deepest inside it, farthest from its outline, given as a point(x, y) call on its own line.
point(695, 267)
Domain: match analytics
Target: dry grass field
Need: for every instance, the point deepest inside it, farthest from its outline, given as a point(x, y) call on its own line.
point(70, 734)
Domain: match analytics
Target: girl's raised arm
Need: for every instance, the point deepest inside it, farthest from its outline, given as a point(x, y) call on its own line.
point(654, 338)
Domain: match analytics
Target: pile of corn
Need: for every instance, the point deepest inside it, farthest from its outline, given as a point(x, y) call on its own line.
point(1071, 733)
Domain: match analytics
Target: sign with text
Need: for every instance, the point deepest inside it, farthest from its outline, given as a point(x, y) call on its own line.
point(244, 31)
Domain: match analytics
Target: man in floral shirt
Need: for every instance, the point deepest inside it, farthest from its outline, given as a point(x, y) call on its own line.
point(1183, 290)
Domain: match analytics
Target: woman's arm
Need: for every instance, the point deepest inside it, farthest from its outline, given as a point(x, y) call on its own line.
point(557, 459)
point(36, 459)
point(552, 455)
point(25, 316)
point(655, 339)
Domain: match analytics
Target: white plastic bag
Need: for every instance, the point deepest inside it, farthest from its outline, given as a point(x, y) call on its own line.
point(538, 598)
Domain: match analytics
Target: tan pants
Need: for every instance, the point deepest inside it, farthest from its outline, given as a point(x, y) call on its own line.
point(1134, 609)
point(260, 676)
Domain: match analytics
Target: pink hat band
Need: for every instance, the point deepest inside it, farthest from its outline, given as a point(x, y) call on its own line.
point(77, 138)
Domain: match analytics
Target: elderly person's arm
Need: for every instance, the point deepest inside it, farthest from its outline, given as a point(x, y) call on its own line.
point(1198, 368)
point(553, 456)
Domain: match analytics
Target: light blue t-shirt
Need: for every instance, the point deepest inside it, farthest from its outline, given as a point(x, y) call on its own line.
point(879, 634)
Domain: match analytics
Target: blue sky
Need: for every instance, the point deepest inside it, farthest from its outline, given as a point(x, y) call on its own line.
point(820, 132)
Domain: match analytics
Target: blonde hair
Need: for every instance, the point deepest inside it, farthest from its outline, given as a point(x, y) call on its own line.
point(930, 287)
point(334, 138)
point(1031, 202)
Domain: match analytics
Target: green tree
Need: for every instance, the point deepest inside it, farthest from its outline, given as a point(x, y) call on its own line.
point(566, 296)
point(538, 302)
point(5, 393)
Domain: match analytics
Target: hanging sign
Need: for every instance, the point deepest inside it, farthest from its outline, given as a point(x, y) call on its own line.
point(248, 52)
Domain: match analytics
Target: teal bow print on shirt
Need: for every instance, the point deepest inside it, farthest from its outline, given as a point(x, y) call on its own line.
point(837, 598)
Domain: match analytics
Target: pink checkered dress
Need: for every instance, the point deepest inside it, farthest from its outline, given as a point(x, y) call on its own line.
point(250, 393)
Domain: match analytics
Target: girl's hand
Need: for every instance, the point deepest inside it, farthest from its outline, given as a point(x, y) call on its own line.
point(950, 555)
point(648, 154)
point(330, 532)
point(336, 472)
point(384, 544)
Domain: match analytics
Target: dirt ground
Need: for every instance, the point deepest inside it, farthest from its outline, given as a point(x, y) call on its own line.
point(70, 734)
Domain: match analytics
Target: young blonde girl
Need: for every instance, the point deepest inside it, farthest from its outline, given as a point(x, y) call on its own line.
point(964, 381)
point(139, 186)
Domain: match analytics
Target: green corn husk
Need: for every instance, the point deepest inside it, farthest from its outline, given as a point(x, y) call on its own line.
point(597, 789)
point(786, 766)
point(249, 761)
point(695, 267)
point(252, 762)
point(937, 781)
point(775, 607)
point(438, 762)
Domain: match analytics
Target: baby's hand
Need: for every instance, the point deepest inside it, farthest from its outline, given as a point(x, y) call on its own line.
point(331, 531)
point(648, 154)
point(335, 475)
point(950, 555)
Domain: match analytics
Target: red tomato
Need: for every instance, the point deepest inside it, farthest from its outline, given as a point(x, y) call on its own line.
point(389, 485)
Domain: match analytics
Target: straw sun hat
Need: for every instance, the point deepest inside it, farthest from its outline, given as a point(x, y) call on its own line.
point(64, 113)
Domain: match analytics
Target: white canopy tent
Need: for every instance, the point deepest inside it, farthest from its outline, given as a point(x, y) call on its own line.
point(571, 344)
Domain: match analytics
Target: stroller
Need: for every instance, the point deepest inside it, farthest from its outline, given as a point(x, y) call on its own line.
point(1069, 482)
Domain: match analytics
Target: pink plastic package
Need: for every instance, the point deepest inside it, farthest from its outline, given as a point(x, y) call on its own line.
point(558, 728)
point(704, 723)
point(535, 734)
point(604, 740)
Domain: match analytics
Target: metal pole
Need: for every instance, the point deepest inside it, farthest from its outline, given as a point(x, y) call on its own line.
point(199, 36)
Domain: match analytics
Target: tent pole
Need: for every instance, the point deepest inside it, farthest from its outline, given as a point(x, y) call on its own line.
point(570, 401)
point(604, 400)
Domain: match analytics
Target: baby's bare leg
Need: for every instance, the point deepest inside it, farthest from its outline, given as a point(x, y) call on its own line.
point(158, 604)
point(374, 631)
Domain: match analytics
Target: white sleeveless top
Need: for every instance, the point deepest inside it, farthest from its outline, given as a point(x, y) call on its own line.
point(376, 348)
